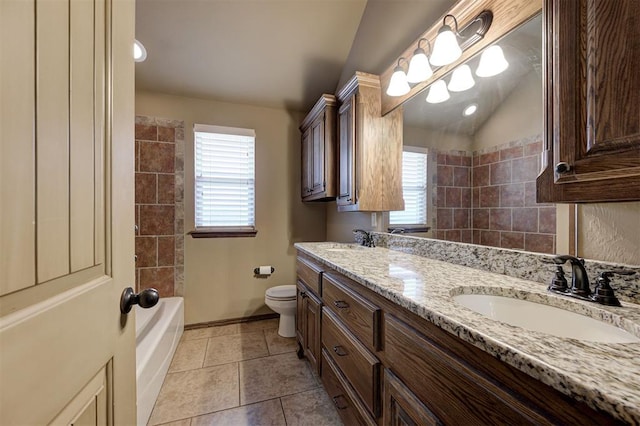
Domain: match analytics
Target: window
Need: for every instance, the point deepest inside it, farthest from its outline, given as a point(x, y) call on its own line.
point(224, 179)
point(414, 189)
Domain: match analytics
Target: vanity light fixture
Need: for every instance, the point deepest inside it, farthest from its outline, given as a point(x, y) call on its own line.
point(398, 85)
point(492, 62)
point(461, 79)
point(446, 48)
point(139, 52)
point(419, 68)
point(445, 51)
point(470, 110)
point(438, 92)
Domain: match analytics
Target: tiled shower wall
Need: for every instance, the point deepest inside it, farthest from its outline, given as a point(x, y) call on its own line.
point(452, 196)
point(159, 205)
point(497, 206)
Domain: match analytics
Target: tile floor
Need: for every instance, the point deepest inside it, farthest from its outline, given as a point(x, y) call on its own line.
point(241, 374)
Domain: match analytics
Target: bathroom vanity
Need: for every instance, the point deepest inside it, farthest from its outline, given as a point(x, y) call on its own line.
point(393, 347)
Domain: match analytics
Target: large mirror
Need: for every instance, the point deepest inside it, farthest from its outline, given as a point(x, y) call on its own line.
point(482, 165)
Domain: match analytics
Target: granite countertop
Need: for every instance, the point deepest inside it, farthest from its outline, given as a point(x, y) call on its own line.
point(604, 375)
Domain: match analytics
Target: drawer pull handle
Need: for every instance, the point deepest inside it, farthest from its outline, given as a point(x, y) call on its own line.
point(341, 304)
point(339, 350)
point(339, 406)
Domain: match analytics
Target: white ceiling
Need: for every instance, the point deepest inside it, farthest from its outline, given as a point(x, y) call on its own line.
point(281, 53)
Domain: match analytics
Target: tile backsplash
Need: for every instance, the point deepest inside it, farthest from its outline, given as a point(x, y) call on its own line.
point(159, 204)
point(487, 197)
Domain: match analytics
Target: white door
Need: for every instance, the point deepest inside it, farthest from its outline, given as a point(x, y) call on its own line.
point(67, 356)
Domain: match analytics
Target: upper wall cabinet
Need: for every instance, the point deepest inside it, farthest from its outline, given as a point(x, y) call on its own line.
point(370, 149)
point(318, 151)
point(593, 101)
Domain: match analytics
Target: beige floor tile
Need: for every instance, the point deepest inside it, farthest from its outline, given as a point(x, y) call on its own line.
point(274, 376)
point(278, 344)
point(185, 422)
point(313, 407)
point(235, 347)
point(253, 326)
point(267, 413)
point(207, 332)
point(189, 355)
point(196, 392)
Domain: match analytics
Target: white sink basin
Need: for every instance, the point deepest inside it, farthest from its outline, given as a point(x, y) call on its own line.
point(544, 318)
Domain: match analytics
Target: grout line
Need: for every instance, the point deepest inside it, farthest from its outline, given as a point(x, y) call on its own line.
point(284, 415)
point(239, 388)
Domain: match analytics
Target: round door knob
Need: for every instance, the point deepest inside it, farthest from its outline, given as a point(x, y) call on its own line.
point(562, 168)
point(145, 299)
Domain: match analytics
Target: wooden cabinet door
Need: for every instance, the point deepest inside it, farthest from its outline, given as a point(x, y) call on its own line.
point(66, 226)
point(317, 145)
point(300, 317)
point(312, 307)
point(347, 151)
point(593, 103)
point(402, 407)
point(307, 163)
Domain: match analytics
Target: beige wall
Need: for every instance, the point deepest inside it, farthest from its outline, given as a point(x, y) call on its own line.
point(610, 232)
point(519, 116)
point(219, 282)
point(426, 138)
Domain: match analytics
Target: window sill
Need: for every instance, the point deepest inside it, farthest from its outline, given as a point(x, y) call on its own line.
point(218, 233)
point(408, 229)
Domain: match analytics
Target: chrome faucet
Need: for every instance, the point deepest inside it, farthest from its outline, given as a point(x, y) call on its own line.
point(579, 278)
point(367, 238)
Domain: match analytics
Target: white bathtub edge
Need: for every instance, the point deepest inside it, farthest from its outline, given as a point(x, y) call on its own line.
point(154, 352)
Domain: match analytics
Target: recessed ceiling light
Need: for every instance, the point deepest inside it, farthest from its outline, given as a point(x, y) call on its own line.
point(139, 52)
point(470, 110)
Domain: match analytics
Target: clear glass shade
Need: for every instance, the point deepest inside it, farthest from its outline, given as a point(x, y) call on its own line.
point(438, 92)
point(398, 84)
point(419, 68)
point(445, 49)
point(461, 79)
point(492, 62)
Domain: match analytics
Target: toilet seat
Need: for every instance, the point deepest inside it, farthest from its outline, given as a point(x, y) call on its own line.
point(282, 292)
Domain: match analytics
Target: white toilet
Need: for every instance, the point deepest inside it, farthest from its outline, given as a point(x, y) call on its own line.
point(282, 299)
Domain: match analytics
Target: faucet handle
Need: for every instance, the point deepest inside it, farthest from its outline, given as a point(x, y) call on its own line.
point(603, 292)
point(559, 282)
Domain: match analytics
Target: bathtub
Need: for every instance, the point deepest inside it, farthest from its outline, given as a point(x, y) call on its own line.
point(158, 331)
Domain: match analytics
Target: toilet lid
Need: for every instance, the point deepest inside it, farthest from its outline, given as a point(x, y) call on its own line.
point(282, 292)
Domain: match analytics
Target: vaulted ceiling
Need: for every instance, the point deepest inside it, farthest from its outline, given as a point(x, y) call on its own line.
point(281, 53)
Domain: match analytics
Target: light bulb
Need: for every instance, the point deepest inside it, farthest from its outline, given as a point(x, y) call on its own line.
point(492, 62)
point(438, 92)
point(461, 79)
point(445, 49)
point(398, 84)
point(419, 68)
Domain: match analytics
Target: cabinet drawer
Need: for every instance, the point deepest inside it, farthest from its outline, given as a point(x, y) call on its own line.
point(361, 317)
point(349, 407)
point(309, 273)
point(359, 366)
point(454, 392)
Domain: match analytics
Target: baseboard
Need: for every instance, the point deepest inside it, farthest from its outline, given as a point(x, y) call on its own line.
point(231, 321)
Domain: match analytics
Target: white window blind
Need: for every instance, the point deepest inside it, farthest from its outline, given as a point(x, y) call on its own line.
point(224, 177)
point(414, 189)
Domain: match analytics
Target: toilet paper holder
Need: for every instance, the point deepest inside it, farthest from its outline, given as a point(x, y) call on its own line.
point(256, 271)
